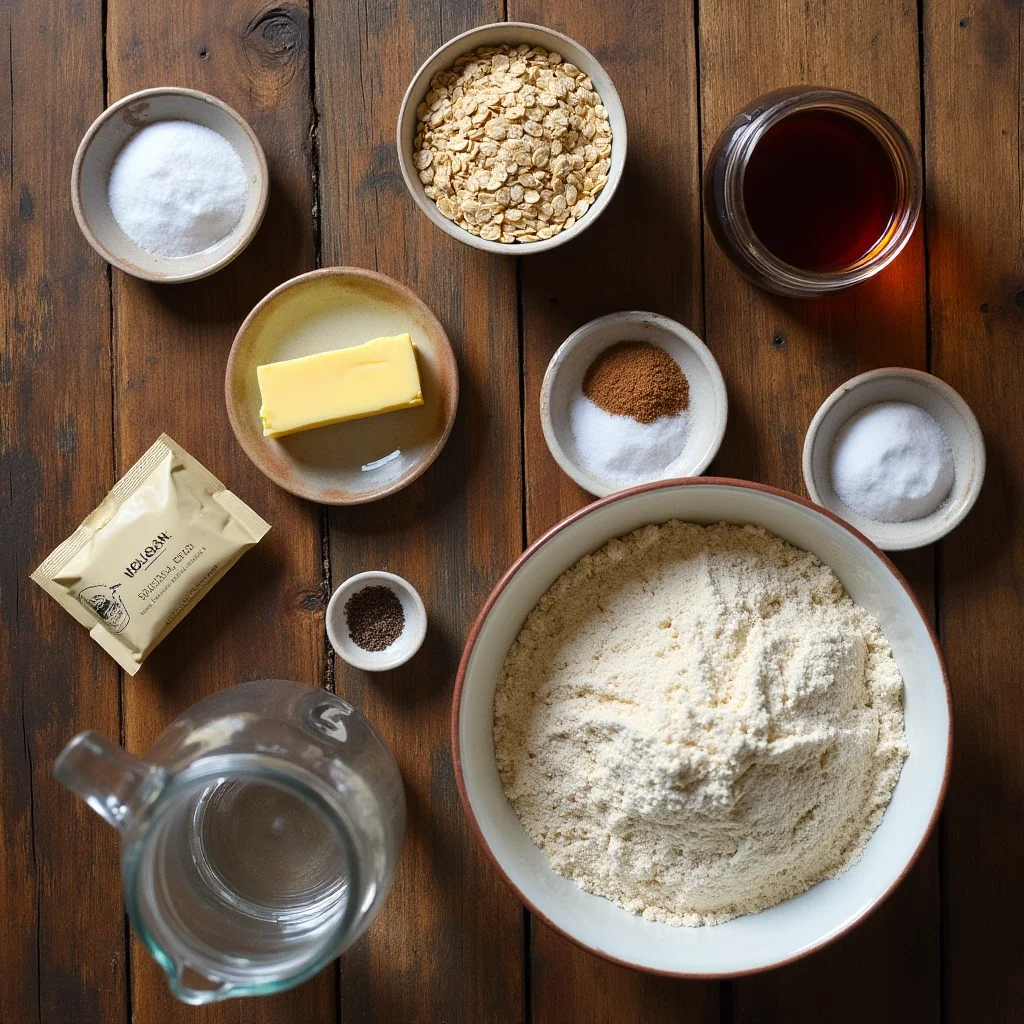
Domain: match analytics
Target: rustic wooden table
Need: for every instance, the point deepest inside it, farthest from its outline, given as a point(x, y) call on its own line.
point(95, 365)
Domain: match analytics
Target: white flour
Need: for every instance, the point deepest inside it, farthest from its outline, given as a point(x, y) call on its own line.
point(697, 722)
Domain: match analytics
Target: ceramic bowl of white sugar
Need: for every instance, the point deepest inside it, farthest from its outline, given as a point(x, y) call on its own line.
point(796, 926)
point(169, 184)
point(605, 452)
point(901, 463)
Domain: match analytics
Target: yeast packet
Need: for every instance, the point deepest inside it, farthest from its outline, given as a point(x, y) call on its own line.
point(148, 555)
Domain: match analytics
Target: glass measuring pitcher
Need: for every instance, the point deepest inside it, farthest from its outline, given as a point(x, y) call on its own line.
point(258, 838)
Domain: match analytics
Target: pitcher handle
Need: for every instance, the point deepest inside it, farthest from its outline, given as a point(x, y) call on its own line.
point(195, 988)
point(107, 778)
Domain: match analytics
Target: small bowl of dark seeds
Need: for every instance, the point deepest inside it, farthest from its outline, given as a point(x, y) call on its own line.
point(376, 621)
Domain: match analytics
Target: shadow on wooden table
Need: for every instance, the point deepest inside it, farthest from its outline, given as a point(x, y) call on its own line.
point(849, 330)
point(626, 259)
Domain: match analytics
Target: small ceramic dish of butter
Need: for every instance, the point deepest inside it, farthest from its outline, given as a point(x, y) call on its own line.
point(341, 386)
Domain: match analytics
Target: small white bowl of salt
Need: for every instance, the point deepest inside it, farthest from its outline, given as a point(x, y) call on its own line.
point(631, 398)
point(169, 184)
point(898, 454)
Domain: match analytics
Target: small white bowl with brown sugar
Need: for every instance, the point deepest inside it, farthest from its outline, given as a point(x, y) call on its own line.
point(567, 414)
point(490, 169)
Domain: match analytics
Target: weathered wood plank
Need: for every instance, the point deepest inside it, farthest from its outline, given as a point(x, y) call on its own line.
point(171, 343)
point(772, 348)
point(644, 253)
point(974, 75)
point(65, 954)
point(448, 944)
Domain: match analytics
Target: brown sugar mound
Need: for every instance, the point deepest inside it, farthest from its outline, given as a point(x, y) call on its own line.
point(637, 379)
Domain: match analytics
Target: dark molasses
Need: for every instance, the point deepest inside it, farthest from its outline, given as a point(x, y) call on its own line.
point(820, 190)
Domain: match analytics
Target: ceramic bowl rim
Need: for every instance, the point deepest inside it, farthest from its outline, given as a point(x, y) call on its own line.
point(528, 554)
point(429, 208)
point(446, 354)
point(942, 527)
point(397, 582)
point(165, 277)
point(589, 483)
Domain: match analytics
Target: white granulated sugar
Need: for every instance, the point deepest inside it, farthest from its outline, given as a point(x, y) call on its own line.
point(892, 463)
point(620, 449)
point(177, 188)
point(697, 723)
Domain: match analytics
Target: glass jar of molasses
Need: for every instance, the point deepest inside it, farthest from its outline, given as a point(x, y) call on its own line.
point(810, 191)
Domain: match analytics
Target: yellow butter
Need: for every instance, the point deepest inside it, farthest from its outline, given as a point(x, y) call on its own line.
point(346, 384)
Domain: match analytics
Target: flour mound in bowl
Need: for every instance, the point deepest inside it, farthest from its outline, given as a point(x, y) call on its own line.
point(697, 723)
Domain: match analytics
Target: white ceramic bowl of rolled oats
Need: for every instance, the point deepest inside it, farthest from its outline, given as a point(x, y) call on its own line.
point(512, 138)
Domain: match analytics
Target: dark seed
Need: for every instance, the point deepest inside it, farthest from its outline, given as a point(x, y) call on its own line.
point(375, 618)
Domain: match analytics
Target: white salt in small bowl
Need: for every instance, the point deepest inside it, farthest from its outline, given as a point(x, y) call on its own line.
point(106, 138)
point(407, 644)
point(951, 412)
point(708, 410)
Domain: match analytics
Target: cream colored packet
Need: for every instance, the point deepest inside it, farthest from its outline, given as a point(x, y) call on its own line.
point(149, 554)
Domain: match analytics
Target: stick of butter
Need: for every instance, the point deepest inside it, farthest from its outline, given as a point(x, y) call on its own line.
point(346, 384)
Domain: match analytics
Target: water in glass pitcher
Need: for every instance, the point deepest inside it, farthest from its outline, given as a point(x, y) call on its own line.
point(250, 871)
point(258, 839)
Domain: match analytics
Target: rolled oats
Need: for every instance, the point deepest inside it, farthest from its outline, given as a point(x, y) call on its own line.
point(512, 143)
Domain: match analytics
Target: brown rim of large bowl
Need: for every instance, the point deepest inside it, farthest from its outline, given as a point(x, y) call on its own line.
point(506, 579)
point(447, 354)
point(166, 277)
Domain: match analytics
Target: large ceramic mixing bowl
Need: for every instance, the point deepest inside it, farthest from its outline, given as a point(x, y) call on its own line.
point(799, 925)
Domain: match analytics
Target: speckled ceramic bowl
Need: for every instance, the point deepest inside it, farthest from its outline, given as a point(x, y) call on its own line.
point(513, 33)
point(797, 926)
point(107, 137)
point(953, 414)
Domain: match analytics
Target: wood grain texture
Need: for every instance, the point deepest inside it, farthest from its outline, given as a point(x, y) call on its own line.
point(974, 73)
point(774, 348)
point(643, 253)
point(56, 463)
point(448, 944)
point(781, 358)
point(264, 619)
